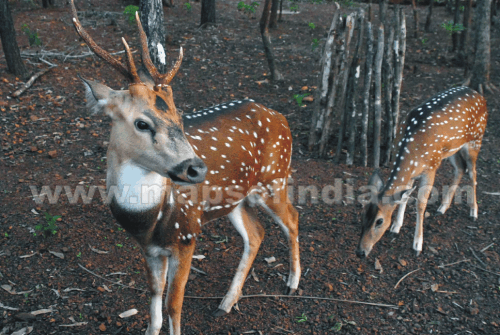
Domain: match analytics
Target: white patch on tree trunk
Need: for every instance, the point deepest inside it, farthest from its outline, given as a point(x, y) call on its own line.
point(161, 53)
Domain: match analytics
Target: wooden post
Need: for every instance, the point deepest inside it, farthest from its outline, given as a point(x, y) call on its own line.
point(355, 73)
point(399, 62)
point(366, 94)
point(322, 96)
point(344, 55)
point(344, 71)
point(387, 79)
point(378, 96)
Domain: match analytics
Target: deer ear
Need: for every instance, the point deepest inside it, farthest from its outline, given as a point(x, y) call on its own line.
point(97, 95)
point(376, 180)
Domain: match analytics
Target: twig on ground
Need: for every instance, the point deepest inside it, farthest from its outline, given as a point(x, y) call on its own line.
point(298, 297)
point(450, 264)
point(110, 281)
point(64, 56)
point(406, 275)
point(487, 247)
point(47, 62)
point(198, 270)
point(480, 261)
point(30, 82)
point(480, 268)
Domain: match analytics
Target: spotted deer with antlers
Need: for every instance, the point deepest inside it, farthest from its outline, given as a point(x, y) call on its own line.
point(180, 172)
point(450, 125)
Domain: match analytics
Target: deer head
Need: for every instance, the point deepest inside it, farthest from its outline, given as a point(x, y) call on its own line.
point(146, 123)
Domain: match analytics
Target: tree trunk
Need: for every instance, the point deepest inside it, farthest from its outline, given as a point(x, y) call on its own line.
point(377, 74)
point(429, 17)
point(387, 80)
point(463, 55)
point(15, 64)
point(207, 12)
point(415, 18)
point(273, 22)
point(454, 36)
point(366, 94)
point(152, 22)
point(480, 79)
point(399, 63)
point(383, 4)
point(47, 3)
point(266, 40)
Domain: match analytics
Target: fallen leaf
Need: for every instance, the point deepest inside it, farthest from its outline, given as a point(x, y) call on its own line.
point(8, 288)
point(270, 260)
point(378, 266)
point(98, 251)
point(199, 257)
point(57, 254)
point(128, 313)
point(42, 311)
point(23, 331)
point(102, 327)
point(402, 262)
point(309, 98)
point(52, 153)
point(254, 276)
point(434, 287)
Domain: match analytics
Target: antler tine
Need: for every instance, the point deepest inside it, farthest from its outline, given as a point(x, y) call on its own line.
point(97, 49)
point(130, 62)
point(167, 78)
point(146, 58)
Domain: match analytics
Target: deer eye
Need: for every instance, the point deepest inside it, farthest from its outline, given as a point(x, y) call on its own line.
point(142, 126)
point(379, 222)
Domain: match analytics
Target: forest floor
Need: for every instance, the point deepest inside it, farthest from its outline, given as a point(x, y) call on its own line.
point(49, 138)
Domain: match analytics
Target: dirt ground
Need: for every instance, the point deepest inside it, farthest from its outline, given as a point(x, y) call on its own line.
point(48, 138)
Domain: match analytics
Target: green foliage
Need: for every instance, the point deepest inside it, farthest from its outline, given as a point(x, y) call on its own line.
point(302, 318)
point(79, 255)
point(312, 25)
point(32, 35)
point(6, 234)
point(452, 28)
point(299, 97)
point(50, 227)
point(119, 245)
point(337, 327)
point(294, 8)
point(315, 44)
point(346, 3)
point(424, 40)
point(188, 7)
point(248, 9)
point(129, 13)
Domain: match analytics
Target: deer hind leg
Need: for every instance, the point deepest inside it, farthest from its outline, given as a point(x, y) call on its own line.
point(425, 189)
point(245, 220)
point(286, 216)
point(178, 273)
point(157, 267)
point(396, 226)
point(459, 164)
point(470, 153)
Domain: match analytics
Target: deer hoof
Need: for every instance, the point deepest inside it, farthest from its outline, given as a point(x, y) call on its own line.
point(417, 253)
point(219, 312)
point(290, 291)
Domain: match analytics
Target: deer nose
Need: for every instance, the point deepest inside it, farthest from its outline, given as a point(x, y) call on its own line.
point(360, 253)
point(191, 171)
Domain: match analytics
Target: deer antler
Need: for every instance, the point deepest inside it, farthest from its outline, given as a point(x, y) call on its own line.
point(130, 73)
point(159, 79)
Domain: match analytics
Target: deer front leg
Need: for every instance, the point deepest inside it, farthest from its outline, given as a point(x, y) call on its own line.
point(458, 163)
point(426, 185)
point(396, 226)
point(157, 272)
point(178, 273)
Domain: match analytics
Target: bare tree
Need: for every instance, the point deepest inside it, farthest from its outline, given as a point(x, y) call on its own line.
point(15, 64)
point(152, 22)
point(480, 76)
point(428, 21)
point(273, 23)
point(266, 40)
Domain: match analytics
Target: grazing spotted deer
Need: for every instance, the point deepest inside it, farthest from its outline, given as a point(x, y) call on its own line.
point(181, 172)
point(449, 125)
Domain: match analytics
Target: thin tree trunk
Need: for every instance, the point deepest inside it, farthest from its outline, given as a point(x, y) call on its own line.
point(415, 18)
point(383, 4)
point(266, 40)
point(428, 21)
point(463, 55)
point(152, 22)
point(480, 80)
point(281, 11)
point(15, 64)
point(324, 82)
point(377, 77)
point(355, 73)
point(344, 70)
point(399, 63)
point(454, 36)
point(273, 23)
point(208, 13)
point(387, 79)
point(366, 94)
